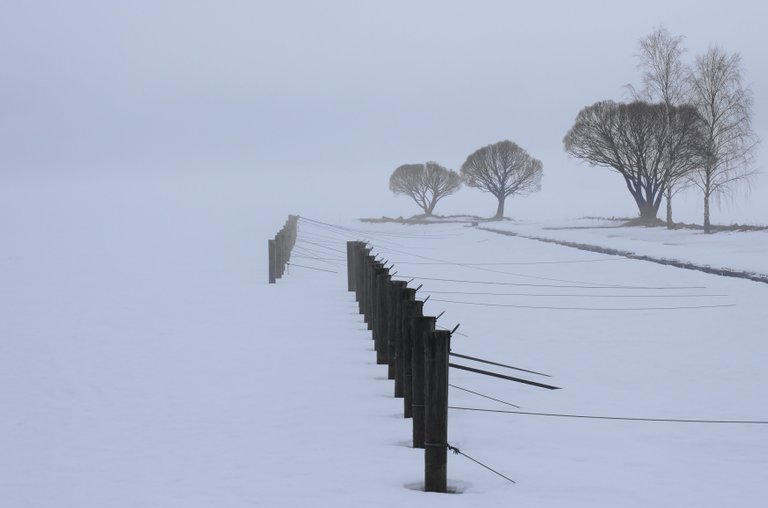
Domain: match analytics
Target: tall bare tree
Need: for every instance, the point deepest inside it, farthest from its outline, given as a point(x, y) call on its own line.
point(426, 183)
point(725, 104)
point(503, 169)
point(664, 79)
point(642, 142)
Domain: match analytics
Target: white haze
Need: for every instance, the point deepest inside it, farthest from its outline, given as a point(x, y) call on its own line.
point(313, 104)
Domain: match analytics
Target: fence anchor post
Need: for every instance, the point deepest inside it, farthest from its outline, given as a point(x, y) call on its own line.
point(437, 347)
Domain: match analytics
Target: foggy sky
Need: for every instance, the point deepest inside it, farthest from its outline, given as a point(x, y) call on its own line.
point(336, 92)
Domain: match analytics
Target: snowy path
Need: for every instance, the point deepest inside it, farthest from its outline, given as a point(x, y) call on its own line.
point(144, 361)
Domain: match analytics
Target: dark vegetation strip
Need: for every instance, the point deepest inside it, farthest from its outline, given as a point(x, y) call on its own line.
point(725, 272)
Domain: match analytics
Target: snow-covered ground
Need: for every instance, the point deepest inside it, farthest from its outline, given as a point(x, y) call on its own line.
point(145, 361)
point(735, 250)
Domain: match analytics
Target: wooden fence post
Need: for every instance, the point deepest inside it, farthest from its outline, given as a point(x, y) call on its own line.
point(361, 266)
point(280, 248)
point(421, 327)
point(413, 310)
point(369, 290)
point(437, 347)
point(380, 330)
point(350, 266)
point(272, 260)
point(405, 296)
point(278, 257)
point(393, 334)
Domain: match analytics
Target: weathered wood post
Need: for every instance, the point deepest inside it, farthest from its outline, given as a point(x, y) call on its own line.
point(437, 347)
point(405, 296)
point(283, 251)
point(368, 290)
point(278, 256)
point(293, 227)
point(421, 327)
point(413, 310)
point(393, 334)
point(360, 285)
point(382, 311)
point(351, 266)
point(373, 296)
point(272, 260)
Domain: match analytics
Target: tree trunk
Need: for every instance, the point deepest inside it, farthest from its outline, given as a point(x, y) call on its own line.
point(648, 213)
point(500, 209)
point(707, 192)
point(706, 214)
point(431, 206)
point(668, 196)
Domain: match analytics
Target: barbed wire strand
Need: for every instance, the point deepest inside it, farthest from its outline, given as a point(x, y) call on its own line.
point(572, 295)
point(456, 451)
point(546, 307)
point(530, 284)
point(617, 418)
point(483, 395)
point(311, 268)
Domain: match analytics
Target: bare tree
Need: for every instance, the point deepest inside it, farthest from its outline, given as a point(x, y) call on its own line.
point(647, 144)
point(664, 80)
point(426, 183)
point(725, 104)
point(503, 169)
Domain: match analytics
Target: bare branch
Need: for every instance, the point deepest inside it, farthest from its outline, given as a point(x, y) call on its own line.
point(426, 183)
point(725, 105)
point(502, 169)
point(648, 144)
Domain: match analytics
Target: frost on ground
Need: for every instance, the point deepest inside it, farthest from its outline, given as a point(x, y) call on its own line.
point(144, 361)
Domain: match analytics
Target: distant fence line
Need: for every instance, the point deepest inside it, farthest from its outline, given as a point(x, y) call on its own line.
point(280, 248)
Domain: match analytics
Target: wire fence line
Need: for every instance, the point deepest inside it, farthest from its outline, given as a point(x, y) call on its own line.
point(515, 274)
point(483, 395)
point(616, 418)
point(319, 258)
point(571, 295)
point(328, 242)
point(312, 268)
point(457, 451)
point(509, 263)
point(312, 251)
point(380, 235)
point(607, 309)
point(527, 284)
point(322, 246)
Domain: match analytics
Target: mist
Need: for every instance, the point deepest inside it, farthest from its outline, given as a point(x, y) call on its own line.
point(311, 106)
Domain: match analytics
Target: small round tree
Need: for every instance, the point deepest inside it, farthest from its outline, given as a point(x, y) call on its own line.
point(502, 169)
point(426, 183)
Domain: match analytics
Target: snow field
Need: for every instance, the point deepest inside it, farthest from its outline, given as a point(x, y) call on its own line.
point(144, 361)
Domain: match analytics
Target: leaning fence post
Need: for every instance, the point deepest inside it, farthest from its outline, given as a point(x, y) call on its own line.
point(421, 327)
point(437, 347)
